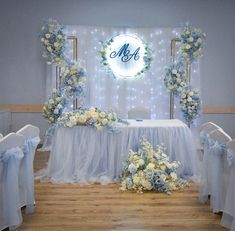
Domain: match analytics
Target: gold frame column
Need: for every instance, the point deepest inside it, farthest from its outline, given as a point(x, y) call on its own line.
point(74, 57)
point(173, 55)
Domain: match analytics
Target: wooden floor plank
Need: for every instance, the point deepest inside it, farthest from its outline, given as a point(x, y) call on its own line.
point(97, 207)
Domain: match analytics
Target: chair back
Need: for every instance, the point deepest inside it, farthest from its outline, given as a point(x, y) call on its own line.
point(11, 140)
point(231, 145)
point(208, 127)
point(220, 136)
point(139, 113)
point(29, 131)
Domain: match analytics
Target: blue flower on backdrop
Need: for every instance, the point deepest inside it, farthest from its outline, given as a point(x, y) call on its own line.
point(191, 43)
point(73, 80)
point(54, 42)
point(53, 108)
point(148, 169)
point(190, 104)
point(175, 78)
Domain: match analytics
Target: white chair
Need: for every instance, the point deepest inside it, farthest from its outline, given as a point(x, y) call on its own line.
point(205, 130)
point(139, 113)
point(26, 176)
point(214, 182)
point(10, 158)
point(228, 218)
point(1, 136)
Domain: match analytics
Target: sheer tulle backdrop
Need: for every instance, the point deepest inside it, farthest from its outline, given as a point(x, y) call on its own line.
point(121, 95)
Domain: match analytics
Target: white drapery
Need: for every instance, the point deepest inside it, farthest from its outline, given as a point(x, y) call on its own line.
point(121, 95)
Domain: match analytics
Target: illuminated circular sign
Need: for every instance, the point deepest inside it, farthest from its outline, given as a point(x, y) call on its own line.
point(126, 56)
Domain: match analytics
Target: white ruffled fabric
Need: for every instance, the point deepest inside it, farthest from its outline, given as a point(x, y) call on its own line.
point(26, 174)
point(228, 218)
point(214, 175)
point(85, 155)
point(10, 209)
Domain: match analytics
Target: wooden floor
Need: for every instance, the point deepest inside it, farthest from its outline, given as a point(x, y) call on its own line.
point(97, 207)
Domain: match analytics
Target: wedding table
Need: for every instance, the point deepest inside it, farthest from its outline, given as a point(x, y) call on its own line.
point(86, 155)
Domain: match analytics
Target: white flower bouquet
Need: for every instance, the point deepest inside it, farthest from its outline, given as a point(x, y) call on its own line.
point(175, 78)
point(92, 117)
point(148, 169)
point(191, 43)
point(53, 40)
point(73, 80)
point(53, 108)
point(190, 104)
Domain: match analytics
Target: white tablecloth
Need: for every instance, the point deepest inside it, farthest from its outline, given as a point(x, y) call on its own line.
point(86, 155)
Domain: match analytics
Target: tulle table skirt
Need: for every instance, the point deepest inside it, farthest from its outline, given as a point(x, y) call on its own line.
point(85, 155)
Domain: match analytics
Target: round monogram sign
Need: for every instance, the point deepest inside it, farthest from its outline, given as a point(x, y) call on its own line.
point(126, 56)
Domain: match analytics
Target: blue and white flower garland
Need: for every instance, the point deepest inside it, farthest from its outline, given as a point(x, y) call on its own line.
point(53, 40)
point(190, 104)
point(175, 77)
point(147, 59)
point(53, 108)
point(191, 43)
point(73, 80)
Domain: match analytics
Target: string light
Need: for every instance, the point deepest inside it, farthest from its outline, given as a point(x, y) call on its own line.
point(148, 91)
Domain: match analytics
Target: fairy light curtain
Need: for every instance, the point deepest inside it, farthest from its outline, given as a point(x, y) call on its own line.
point(121, 95)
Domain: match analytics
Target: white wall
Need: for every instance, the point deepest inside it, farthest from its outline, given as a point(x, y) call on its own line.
point(23, 70)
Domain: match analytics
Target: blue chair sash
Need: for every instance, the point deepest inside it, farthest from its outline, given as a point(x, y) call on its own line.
point(11, 153)
point(230, 157)
point(214, 144)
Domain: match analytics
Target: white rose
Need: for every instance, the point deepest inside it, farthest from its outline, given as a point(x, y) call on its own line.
point(47, 36)
point(92, 109)
point(46, 42)
point(189, 99)
point(141, 162)
point(199, 40)
point(82, 119)
point(51, 101)
point(56, 111)
point(104, 121)
point(42, 39)
point(188, 46)
point(56, 44)
point(191, 93)
point(59, 36)
point(102, 114)
point(174, 71)
point(136, 180)
point(190, 39)
point(49, 49)
point(173, 175)
point(150, 166)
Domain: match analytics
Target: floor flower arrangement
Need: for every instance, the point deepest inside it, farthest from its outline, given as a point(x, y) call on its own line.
point(150, 170)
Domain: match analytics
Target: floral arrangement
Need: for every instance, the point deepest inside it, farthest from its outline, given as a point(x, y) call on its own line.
point(148, 169)
point(190, 104)
point(53, 108)
point(73, 80)
point(191, 43)
point(92, 117)
point(54, 41)
point(175, 78)
point(148, 57)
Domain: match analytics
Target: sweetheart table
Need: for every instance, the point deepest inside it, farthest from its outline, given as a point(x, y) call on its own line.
point(86, 155)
